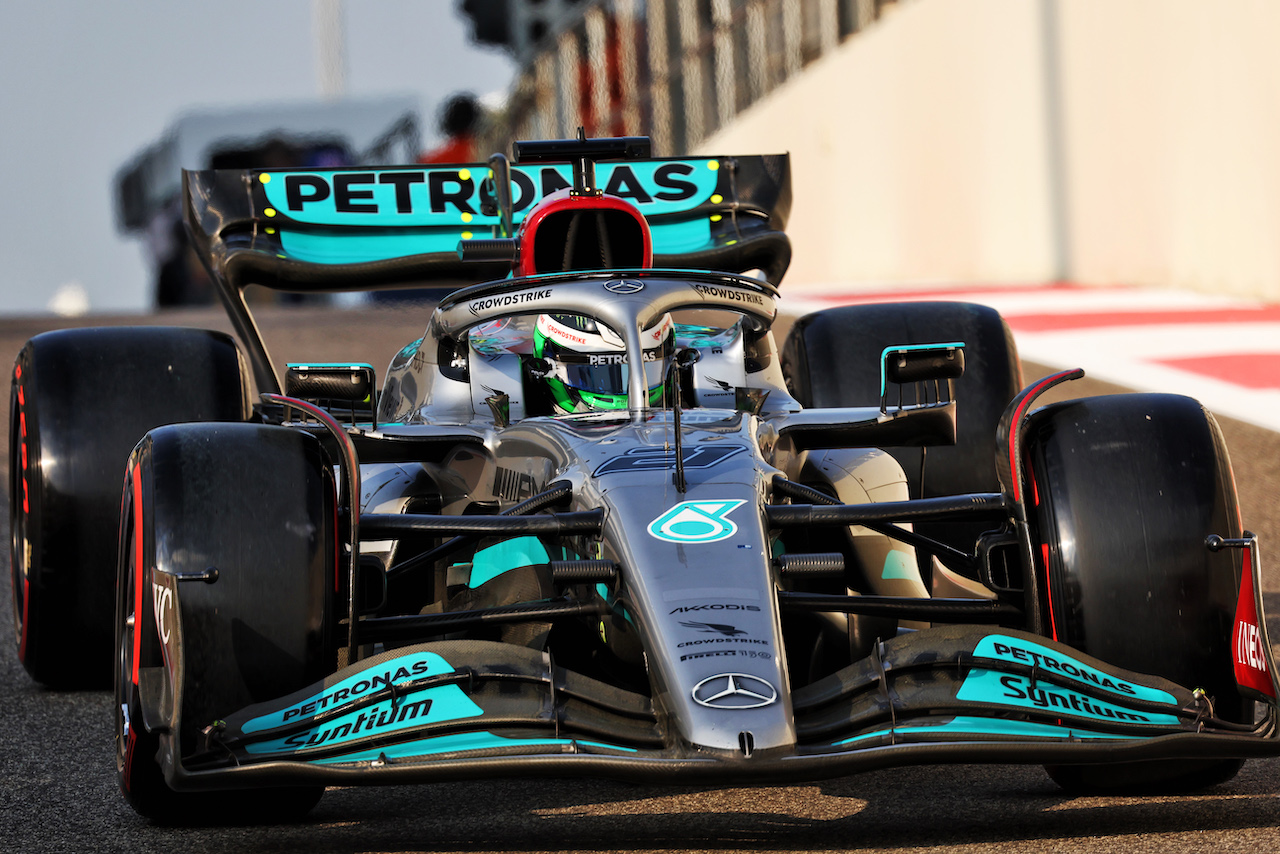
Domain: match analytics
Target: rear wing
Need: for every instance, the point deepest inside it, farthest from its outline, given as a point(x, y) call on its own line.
point(375, 228)
point(387, 227)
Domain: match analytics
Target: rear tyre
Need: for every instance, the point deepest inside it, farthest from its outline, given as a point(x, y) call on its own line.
point(1129, 487)
point(258, 503)
point(80, 400)
point(832, 358)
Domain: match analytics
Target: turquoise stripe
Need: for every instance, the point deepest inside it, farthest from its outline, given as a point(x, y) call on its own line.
point(368, 681)
point(677, 237)
point(898, 564)
point(460, 741)
point(988, 726)
point(989, 686)
point(349, 248)
point(429, 706)
point(507, 555)
point(1021, 651)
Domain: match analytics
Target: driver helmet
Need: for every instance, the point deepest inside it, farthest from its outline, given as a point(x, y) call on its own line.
point(588, 361)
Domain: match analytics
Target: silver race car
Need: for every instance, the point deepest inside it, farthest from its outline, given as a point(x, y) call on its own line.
point(596, 522)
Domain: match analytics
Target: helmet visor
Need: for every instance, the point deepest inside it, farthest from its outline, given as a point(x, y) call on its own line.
point(607, 373)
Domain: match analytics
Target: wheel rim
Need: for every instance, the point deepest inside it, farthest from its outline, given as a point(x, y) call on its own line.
point(19, 508)
point(126, 735)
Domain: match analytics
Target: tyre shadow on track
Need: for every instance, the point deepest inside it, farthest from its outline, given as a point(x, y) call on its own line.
point(890, 810)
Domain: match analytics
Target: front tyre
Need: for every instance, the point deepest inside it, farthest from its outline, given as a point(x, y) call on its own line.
point(257, 503)
point(1126, 490)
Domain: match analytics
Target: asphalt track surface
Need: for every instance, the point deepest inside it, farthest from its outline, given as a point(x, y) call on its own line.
point(58, 789)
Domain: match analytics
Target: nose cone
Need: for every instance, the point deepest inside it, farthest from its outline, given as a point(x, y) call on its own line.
point(701, 577)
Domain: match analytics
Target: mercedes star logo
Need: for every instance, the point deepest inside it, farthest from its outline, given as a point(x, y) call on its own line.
point(734, 691)
point(623, 286)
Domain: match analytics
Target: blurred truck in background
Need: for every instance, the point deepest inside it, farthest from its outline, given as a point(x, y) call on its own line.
point(317, 135)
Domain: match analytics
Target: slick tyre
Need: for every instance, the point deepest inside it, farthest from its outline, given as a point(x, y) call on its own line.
point(227, 576)
point(80, 400)
point(1128, 487)
point(832, 358)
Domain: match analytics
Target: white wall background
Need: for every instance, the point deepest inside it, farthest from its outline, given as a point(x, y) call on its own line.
point(1097, 141)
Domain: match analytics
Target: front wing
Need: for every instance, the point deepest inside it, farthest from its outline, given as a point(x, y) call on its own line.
point(469, 709)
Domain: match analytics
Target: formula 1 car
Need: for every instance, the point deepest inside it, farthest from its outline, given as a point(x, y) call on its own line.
point(596, 522)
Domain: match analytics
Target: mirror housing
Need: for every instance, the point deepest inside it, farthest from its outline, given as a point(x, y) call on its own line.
point(920, 365)
point(923, 362)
